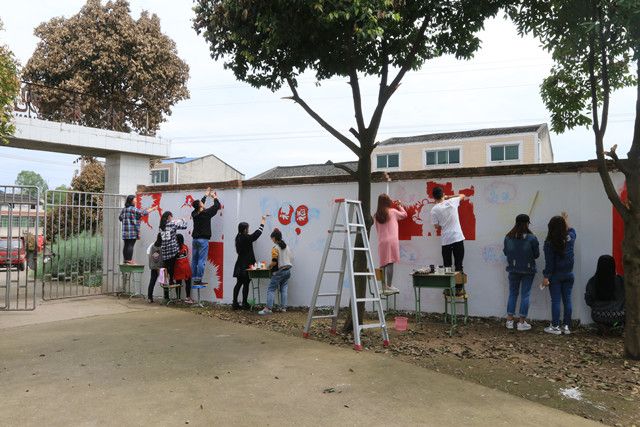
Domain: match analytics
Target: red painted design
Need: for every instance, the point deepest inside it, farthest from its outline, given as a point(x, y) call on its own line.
point(156, 198)
point(285, 217)
point(216, 258)
point(302, 215)
point(412, 225)
point(188, 201)
point(618, 233)
point(298, 230)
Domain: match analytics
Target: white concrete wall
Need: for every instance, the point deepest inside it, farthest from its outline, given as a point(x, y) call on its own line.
point(496, 201)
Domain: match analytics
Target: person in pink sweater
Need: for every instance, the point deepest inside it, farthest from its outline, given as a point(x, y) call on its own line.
point(386, 220)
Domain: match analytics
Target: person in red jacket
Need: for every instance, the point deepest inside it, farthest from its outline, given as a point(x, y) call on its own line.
point(182, 270)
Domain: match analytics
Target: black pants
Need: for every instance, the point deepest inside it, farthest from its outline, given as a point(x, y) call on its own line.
point(152, 285)
point(187, 288)
point(242, 283)
point(455, 249)
point(170, 265)
point(127, 250)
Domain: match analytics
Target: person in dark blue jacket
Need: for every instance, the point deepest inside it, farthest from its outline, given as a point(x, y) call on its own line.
point(558, 271)
point(521, 248)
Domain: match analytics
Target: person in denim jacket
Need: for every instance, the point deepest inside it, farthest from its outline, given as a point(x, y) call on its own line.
point(521, 248)
point(558, 272)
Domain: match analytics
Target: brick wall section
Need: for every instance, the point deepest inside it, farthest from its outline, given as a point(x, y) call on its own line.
point(533, 169)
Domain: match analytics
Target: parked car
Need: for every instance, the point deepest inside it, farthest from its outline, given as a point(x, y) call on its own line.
point(13, 254)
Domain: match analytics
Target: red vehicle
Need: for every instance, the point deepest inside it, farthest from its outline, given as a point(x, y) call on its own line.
point(14, 253)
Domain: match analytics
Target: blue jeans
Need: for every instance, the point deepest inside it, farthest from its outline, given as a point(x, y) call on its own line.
point(560, 287)
point(519, 283)
point(200, 249)
point(279, 279)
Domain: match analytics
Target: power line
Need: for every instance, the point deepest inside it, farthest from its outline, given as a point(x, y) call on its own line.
point(399, 94)
point(433, 128)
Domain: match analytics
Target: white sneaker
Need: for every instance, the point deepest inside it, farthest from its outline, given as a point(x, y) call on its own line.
point(523, 326)
point(509, 324)
point(265, 311)
point(283, 310)
point(565, 330)
point(555, 330)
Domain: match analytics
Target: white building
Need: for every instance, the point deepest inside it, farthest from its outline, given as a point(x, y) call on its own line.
point(189, 170)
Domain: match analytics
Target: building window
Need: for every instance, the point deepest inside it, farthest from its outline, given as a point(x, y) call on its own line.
point(501, 153)
point(388, 161)
point(160, 176)
point(443, 157)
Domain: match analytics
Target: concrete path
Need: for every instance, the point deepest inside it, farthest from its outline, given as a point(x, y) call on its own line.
point(162, 367)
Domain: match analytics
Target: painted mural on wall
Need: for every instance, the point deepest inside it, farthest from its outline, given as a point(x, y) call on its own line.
point(180, 206)
point(417, 224)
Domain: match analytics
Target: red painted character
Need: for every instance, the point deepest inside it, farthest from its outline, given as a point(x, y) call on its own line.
point(302, 215)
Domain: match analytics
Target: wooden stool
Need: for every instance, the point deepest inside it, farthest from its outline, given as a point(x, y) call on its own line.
point(460, 297)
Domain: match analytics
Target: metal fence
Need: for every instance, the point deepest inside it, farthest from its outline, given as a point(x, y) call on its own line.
point(83, 244)
point(20, 246)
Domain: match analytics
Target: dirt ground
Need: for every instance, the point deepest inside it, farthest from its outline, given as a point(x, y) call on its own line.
point(584, 373)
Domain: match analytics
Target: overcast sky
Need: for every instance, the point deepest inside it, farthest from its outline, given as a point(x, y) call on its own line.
point(254, 130)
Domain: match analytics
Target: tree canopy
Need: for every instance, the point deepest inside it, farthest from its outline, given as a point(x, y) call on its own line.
point(9, 89)
point(109, 70)
point(31, 178)
point(595, 46)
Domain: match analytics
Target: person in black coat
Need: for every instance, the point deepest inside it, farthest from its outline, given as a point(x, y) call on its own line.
point(246, 258)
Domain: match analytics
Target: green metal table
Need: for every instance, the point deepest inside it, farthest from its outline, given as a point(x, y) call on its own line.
point(132, 273)
point(256, 276)
point(436, 281)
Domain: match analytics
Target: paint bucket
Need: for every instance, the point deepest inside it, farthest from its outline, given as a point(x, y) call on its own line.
point(400, 323)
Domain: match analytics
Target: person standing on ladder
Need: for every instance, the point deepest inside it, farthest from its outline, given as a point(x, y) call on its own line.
point(386, 220)
point(445, 218)
point(202, 233)
point(130, 217)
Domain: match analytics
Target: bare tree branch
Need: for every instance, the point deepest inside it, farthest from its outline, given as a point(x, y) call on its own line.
point(384, 96)
point(357, 99)
point(345, 168)
point(606, 88)
point(607, 182)
point(340, 137)
point(614, 156)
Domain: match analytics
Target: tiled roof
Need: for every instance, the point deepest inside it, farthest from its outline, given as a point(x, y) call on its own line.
point(324, 169)
point(465, 134)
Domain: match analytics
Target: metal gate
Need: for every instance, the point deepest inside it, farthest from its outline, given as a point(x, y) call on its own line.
point(83, 244)
point(20, 246)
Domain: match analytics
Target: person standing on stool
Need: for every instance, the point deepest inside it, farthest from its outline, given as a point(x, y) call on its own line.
point(445, 218)
point(386, 220)
point(130, 217)
point(201, 234)
point(246, 258)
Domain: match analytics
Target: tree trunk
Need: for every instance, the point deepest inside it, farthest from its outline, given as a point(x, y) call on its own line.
point(631, 262)
point(360, 260)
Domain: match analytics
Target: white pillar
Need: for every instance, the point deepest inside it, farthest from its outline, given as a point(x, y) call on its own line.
point(124, 172)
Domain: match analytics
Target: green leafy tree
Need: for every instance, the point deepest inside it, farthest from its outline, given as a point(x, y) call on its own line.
point(9, 89)
point(109, 70)
point(30, 178)
point(75, 209)
point(595, 46)
point(270, 43)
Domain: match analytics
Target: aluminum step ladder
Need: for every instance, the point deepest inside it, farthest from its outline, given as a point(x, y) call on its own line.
point(351, 227)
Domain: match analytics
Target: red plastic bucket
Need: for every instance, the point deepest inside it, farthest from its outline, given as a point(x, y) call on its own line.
point(401, 323)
